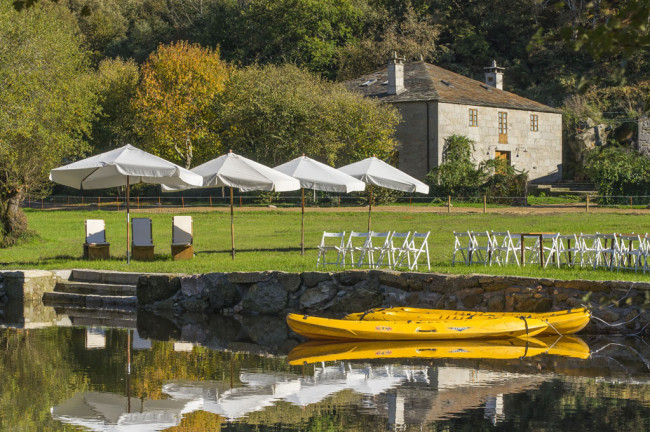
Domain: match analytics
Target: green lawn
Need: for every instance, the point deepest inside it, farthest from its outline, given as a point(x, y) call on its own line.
point(269, 239)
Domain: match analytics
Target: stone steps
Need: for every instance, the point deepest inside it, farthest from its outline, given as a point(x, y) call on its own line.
point(99, 317)
point(76, 287)
point(94, 301)
point(94, 290)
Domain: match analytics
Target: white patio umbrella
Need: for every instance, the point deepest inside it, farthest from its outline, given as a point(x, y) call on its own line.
point(122, 167)
point(318, 176)
point(376, 172)
point(236, 171)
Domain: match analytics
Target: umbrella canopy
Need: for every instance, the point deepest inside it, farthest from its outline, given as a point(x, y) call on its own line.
point(122, 167)
point(239, 172)
point(376, 172)
point(112, 168)
point(318, 176)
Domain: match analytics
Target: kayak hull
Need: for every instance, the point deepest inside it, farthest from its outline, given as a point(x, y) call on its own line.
point(561, 322)
point(327, 328)
point(317, 351)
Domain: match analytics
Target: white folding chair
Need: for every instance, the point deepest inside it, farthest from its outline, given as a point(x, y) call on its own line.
point(502, 246)
point(552, 252)
point(142, 241)
point(383, 250)
point(182, 237)
point(95, 246)
point(400, 252)
point(481, 246)
point(610, 250)
point(631, 252)
point(358, 242)
point(568, 249)
point(419, 243)
point(338, 246)
point(462, 245)
point(589, 249)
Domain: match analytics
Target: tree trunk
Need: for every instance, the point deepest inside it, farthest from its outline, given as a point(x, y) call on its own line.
point(13, 221)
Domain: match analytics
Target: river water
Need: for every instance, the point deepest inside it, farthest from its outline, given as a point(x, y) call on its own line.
point(147, 373)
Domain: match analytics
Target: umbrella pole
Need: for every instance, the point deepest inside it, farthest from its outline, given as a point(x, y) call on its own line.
point(302, 224)
point(128, 220)
point(232, 224)
point(369, 207)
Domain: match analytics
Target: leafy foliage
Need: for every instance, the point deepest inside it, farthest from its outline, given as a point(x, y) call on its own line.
point(458, 176)
point(618, 172)
point(47, 100)
point(274, 113)
point(174, 103)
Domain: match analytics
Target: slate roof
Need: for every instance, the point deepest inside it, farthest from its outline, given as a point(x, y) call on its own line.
point(426, 82)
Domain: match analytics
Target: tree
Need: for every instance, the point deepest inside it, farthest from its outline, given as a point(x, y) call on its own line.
point(275, 113)
point(117, 81)
point(47, 103)
point(457, 175)
point(174, 103)
point(618, 172)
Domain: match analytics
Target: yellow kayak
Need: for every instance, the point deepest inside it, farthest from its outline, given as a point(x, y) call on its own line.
point(472, 327)
point(562, 322)
point(322, 351)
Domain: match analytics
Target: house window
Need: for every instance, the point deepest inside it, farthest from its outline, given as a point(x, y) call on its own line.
point(503, 128)
point(473, 117)
point(534, 122)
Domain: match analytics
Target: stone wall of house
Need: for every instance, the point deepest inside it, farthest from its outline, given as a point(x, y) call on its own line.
point(21, 294)
point(273, 293)
point(538, 152)
point(411, 135)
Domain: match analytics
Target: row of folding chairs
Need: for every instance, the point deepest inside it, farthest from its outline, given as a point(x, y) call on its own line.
point(611, 251)
point(390, 249)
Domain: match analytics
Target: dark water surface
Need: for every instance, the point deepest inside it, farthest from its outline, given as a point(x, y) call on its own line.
point(220, 374)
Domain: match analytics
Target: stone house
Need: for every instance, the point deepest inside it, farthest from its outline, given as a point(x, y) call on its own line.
point(436, 103)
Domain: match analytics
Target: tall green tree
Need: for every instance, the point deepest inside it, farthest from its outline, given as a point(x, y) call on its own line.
point(47, 102)
point(174, 102)
point(275, 113)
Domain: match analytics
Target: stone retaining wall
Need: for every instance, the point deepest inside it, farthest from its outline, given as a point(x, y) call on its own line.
point(335, 294)
point(21, 294)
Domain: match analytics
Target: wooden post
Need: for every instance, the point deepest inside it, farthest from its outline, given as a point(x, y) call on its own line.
point(630, 201)
point(449, 204)
point(210, 201)
point(99, 202)
point(82, 200)
point(138, 202)
point(369, 207)
point(240, 201)
point(587, 207)
point(42, 205)
point(183, 201)
point(484, 204)
point(159, 202)
point(339, 200)
point(68, 199)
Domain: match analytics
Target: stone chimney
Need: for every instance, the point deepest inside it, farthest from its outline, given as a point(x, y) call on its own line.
point(395, 75)
point(494, 75)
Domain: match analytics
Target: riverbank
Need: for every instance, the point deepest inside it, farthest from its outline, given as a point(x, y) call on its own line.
point(623, 305)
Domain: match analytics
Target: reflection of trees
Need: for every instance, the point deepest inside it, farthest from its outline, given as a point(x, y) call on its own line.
point(36, 372)
point(198, 421)
point(153, 368)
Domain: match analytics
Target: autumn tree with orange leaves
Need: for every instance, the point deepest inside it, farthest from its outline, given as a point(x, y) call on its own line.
point(173, 103)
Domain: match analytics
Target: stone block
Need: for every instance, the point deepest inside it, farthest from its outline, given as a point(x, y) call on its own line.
point(291, 281)
point(153, 288)
point(314, 296)
point(267, 297)
point(249, 277)
point(311, 279)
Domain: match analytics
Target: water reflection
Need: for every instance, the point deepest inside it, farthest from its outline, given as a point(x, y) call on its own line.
point(217, 373)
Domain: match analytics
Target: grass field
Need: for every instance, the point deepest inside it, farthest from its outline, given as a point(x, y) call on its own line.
point(269, 239)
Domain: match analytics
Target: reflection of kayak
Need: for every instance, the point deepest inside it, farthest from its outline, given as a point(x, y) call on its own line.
point(566, 346)
point(562, 322)
point(472, 327)
point(320, 351)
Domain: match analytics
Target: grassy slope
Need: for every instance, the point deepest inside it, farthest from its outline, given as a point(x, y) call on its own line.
point(269, 239)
